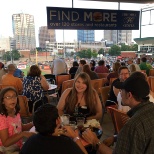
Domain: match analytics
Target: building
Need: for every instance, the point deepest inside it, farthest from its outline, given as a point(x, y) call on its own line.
point(118, 36)
point(46, 34)
point(86, 36)
point(74, 46)
point(24, 31)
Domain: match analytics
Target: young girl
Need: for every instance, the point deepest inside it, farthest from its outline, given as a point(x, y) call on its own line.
point(11, 129)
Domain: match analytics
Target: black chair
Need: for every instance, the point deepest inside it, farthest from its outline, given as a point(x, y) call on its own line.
point(51, 78)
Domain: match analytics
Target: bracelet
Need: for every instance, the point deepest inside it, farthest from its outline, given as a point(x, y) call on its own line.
point(97, 145)
point(76, 138)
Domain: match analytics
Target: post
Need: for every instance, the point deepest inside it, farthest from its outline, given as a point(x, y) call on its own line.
point(63, 44)
point(140, 23)
point(36, 56)
point(117, 30)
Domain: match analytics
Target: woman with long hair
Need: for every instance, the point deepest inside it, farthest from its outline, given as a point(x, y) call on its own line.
point(81, 99)
point(92, 75)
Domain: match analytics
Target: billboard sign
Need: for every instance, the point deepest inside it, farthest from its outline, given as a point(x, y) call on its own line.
point(92, 19)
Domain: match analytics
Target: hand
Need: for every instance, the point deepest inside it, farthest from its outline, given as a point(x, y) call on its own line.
point(109, 141)
point(28, 134)
point(90, 137)
point(68, 131)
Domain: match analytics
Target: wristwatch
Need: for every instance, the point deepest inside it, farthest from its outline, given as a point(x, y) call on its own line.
point(97, 145)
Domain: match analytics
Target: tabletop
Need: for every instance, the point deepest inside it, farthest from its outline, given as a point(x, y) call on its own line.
point(52, 86)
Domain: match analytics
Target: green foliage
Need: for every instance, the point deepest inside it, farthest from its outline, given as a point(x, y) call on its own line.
point(101, 51)
point(114, 50)
point(15, 54)
point(134, 47)
point(125, 47)
point(86, 53)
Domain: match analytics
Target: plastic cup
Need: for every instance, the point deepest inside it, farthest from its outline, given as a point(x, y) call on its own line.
point(80, 122)
point(72, 124)
point(65, 118)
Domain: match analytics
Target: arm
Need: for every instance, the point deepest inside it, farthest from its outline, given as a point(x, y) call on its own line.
point(91, 137)
point(44, 83)
point(98, 106)
point(74, 135)
point(19, 86)
point(8, 141)
point(27, 127)
point(61, 103)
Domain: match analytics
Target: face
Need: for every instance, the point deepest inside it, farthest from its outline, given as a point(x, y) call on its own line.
point(124, 96)
point(124, 74)
point(10, 100)
point(80, 86)
point(80, 65)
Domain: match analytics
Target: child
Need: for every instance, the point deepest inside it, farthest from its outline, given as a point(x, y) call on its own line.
point(11, 129)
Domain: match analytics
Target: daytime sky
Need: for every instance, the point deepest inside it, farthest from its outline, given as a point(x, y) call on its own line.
point(38, 9)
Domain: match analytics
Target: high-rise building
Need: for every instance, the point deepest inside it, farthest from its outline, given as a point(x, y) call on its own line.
point(86, 35)
point(118, 36)
point(46, 34)
point(24, 31)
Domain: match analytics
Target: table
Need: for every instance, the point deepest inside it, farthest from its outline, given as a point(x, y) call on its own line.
point(52, 87)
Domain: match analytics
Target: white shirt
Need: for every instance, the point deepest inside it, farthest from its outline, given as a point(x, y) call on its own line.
point(59, 66)
point(121, 107)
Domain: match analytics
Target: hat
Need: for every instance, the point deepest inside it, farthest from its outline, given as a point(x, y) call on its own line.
point(136, 85)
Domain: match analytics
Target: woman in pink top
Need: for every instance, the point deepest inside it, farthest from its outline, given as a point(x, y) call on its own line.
point(11, 129)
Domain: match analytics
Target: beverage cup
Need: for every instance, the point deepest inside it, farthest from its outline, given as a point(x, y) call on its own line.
point(80, 122)
point(72, 124)
point(65, 118)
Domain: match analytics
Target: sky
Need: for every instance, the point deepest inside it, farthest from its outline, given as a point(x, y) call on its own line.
point(38, 9)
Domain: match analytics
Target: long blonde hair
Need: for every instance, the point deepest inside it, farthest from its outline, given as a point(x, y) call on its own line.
point(89, 95)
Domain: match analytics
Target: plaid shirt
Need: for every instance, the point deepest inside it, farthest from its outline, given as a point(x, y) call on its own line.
point(137, 136)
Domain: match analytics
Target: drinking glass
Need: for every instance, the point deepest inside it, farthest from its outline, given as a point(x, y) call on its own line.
point(72, 124)
point(65, 118)
point(80, 122)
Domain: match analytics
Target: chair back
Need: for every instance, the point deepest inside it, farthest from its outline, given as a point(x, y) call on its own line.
point(51, 78)
point(102, 75)
point(61, 78)
point(104, 91)
point(119, 118)
point(96, 84)
point(111, 80)
point(24, 109)
point(151, 72)
point(151, 83)
point(67, 84)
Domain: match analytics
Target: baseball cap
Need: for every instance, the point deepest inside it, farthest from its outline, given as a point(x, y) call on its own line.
point(136, 85)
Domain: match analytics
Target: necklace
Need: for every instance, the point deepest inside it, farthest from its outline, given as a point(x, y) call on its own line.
point(78, 104)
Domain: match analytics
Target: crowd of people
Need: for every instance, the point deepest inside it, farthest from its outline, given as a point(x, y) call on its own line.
point(130, 91)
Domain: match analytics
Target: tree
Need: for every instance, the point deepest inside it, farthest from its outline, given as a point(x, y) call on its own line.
point(114, 50)
point(134, 47)
point(15, 55)
point(125, 47)
point(101, 51)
